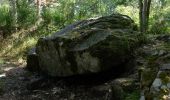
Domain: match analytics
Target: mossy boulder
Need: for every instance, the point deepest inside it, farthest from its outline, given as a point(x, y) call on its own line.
point(89, 46)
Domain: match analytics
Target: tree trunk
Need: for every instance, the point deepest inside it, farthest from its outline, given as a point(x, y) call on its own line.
point(140, 15)
point(144, 18)
point(147, 14)
point(144, 10)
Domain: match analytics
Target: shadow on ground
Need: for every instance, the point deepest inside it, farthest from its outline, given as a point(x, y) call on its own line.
point(16, 83)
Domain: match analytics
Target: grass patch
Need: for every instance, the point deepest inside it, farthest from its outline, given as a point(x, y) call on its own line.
point(18, 44)
point(17, 48)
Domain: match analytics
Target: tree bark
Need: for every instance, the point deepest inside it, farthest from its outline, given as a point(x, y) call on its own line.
point(144, 18)
point(147, 13)
point(140, 14)
point(144, 10)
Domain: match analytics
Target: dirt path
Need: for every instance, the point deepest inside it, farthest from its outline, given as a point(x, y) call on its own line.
point(16, 83)
point(13, 80)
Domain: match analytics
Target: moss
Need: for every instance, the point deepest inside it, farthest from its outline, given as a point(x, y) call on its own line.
point(135, 95)
point(149, 72)
point(164, 76)
point(108, 39)
point(149, 96)
point(164, 91)
point(117, 92)
point(152, 61)
point(165, 59)
point(147, 77)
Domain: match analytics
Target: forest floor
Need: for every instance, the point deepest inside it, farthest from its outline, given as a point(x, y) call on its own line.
point(16, 83)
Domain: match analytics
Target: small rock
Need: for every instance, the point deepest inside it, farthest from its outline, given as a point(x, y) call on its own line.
point(162, 52)
point(169, 96)
point(165, 66)
point(154, 53)
point(163, 87)
point(168, 85)
point(157, 82)
point(142, 98)
point(165, 38)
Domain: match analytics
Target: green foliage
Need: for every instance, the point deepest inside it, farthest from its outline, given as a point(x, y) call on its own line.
point(63, 12)
point(160, 22)
point(26, 14)
point(60, 13)
point(1, 61)
point(130, 11)
point(5, 19)
point(135, 95)
point(159, 17)
point(3, 14)
point(77, 9)
point(123, 2)
point(159, 27)
point(52, 16)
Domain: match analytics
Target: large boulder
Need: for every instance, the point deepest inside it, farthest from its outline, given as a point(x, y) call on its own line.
point(88, 46)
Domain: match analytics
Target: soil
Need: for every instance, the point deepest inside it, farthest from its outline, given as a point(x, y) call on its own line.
point(16, 83)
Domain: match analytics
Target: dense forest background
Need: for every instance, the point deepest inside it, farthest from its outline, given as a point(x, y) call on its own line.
point(22, 22)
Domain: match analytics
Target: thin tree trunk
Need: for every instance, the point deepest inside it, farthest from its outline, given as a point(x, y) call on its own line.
point(144, 10)
point(39, 4)
point(140, 14)
point(147, 14)
point(144, 14)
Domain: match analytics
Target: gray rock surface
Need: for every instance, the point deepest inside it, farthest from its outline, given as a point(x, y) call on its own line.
point(157, 83)
point(165, 66)
point(168, 85)
point(89, 46)
point(32, 60)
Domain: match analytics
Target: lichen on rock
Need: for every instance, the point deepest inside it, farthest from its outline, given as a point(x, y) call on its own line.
point(89, 46)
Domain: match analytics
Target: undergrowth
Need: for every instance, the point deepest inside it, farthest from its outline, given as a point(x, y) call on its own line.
point(17, 45)
point(135, 95)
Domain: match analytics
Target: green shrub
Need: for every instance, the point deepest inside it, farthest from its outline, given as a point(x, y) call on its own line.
point(26, 14)
point(5, 20)
point(159, 27)
point(135, 95)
